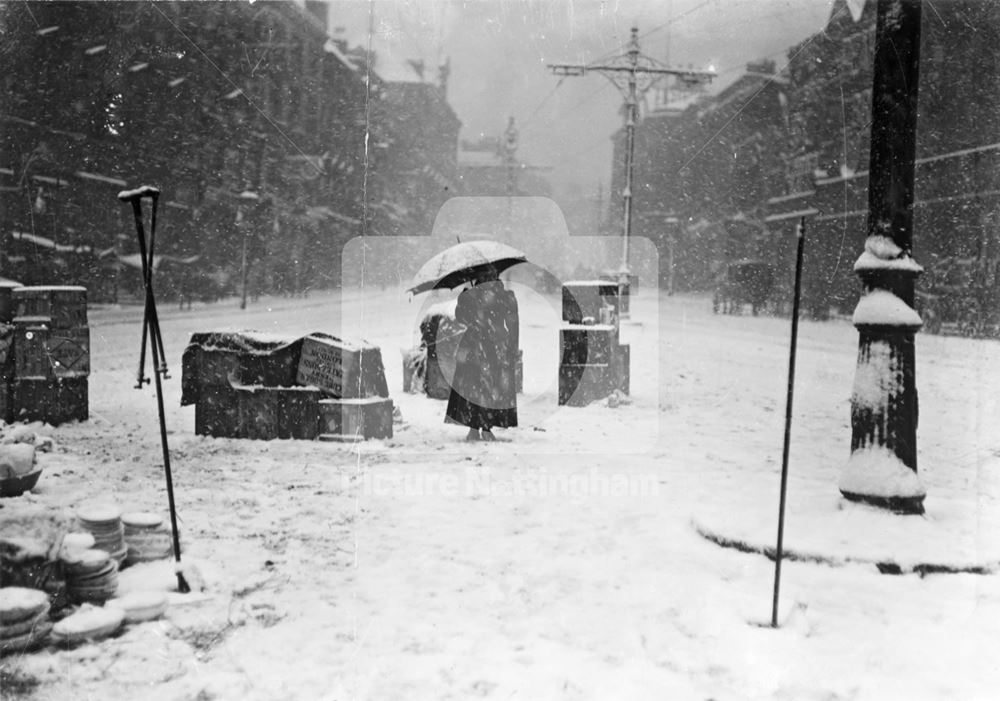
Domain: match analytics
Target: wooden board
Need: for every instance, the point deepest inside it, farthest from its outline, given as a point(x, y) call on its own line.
point(349, 419)
point(44, 352)
point(584, 298)
point(344, 369)
point(65, 306)
point(587, 345)
point(217, 412)
point(53, 401)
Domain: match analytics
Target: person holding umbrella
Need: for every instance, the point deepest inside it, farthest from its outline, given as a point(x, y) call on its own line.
point(484, 387)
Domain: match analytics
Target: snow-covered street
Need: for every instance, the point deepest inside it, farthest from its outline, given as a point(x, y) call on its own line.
point(568, 560)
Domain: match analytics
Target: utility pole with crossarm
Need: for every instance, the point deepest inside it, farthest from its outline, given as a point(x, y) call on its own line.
point(633, 73)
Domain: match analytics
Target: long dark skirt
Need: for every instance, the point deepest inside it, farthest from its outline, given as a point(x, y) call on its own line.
point(484, 390)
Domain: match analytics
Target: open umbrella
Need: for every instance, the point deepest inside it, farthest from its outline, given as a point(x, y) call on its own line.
point(464, 262)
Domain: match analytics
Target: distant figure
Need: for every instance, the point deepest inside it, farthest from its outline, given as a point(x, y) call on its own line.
point(484, 388)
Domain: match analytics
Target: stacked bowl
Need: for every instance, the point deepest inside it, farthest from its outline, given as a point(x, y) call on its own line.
point(24, 619)
point(91, 575)
point(145, 537)
point(105, 524)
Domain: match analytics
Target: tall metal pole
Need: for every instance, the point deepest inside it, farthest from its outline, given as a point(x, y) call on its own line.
point(631, 114)
point(633, 74)
point(800, 233)
point(882, 469)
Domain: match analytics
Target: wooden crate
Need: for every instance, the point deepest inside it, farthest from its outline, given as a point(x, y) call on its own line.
point(218, 367)
point(584, 298)
point(7, 311)
point(53, 401)
point(298, 412)
point(579, 385)
point(6, 400)
point(274, 368)
point(267, 413)
point(583, 383)
point(44, 352)
point(217, 412)
point(587, 344)
point(344, 369)
point(621, 368)
point(66, 306)
point(355, 419)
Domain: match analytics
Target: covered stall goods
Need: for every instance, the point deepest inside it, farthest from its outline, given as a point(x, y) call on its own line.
point(345, 369)
point(224, 359)
point(216, 364)
point(261, 386)
point(593, 300)
point(64, 305)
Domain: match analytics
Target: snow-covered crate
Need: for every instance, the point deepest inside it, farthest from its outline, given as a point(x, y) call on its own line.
point(579, 385)
point(217, 412)
point(43, 352)
point(7, 300)
point(66, 306)
point(582, 299)
point(258, 412)
point(6, 400)
point(53, 401)
point(266, 413)
point(345, 369)
point(355, 419)
point(587, 344)
point(620, 367)
point(221, 359)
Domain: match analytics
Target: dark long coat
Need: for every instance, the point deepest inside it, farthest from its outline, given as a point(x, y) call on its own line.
point(484, 388)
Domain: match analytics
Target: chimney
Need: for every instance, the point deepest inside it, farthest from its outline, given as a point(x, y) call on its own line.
point(444, 70)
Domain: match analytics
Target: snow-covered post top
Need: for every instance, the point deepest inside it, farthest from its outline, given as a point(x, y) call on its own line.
point(881, 262)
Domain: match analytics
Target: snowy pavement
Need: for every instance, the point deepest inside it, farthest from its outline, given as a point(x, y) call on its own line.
point(562, 562)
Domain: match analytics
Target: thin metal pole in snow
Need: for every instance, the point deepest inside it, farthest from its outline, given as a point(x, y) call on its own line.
point(800, 234)
point(151, 327)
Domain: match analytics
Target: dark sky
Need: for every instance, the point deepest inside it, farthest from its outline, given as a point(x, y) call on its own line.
point(498, 51)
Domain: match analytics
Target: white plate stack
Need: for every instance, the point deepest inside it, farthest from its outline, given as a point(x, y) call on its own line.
point(145, 537)
point(24, 619)
point(105, 524)
point(141, 606)
point(89, 623)
point(91, 575)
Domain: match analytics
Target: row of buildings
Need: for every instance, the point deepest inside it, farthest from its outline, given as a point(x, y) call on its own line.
point(727, 177)
point(273, 143)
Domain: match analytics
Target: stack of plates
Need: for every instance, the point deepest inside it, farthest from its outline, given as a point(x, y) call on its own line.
point(141, 605)
point(24, 619)
point(145, 537)
point(105, 524)
point(91, 575)
point(89, 623)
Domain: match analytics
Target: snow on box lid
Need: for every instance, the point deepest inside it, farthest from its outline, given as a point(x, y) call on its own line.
point(590, 283)
point(18, 603)
point(50, 288)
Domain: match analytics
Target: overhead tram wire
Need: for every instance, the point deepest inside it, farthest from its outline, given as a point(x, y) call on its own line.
point(587, 98)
